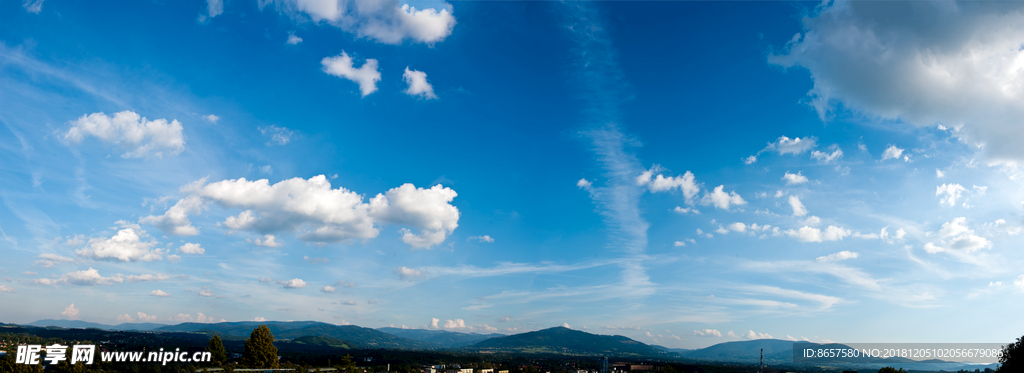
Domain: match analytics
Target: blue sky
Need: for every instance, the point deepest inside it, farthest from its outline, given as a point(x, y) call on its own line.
point(682, 173)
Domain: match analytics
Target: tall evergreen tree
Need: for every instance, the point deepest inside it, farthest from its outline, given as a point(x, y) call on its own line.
point(216, 348)
point(259, 349)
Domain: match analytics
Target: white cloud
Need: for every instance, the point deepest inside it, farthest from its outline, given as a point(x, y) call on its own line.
point(278, 135)
point(892, 152)
point(6, 289)
point(418, 86)
point(660, 183)
point(192, 248)
point(794, 179)
point(951, 191)
point(51, 260)
point(813, 221)
point(708, 333)
point(214, 7)
point(382, 20)
point(454, 324)
point(927, 63)
point(366, 76)
point(722, 200)
point(322, 214)
point(484, 238)
point(958, 239)
point(33, 6)
point(147, 277)
point(584, 184)
point(1019, 282)
point(809, 234)
point(939, 174)
point(70, 312)
point(885, 236)
point(293, 39)
point(88, 277)
point(679, 243)
point(785, 145)
point(211, 118)
point(206, 293)
point(750, 334)
point(146, 318)
point(738, 227)
point(294, 283)
point(137, 136)
point(125, 246)
point(259, 319)
point(125, 318)
point(842, 255)
point(826, 157)
point(175, 220)
point(798, 207)
point(406, 273)
point(268, 241)
point(327, 289)
point(566, 325)
point(686, 210)
point(159, 293)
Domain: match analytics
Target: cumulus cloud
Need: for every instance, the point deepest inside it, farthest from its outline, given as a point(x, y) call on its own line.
point(125, 318)
point(385, 21)
point(407, 273)
point(88, 277)
point(957, 238)
point(418, 86)
point(366, 76)
point(738, 227)
point(192, 248)
point(159, 293)
point(750, 334)
point(809, 234)
point(892, 152)
point(686, 210)
point(268, 241)
point(136, 135)
point(327, 289)
point(484, 238)
point(206, 293)
point(293, 39)
point(955, 63)
point(126, 245)
point(70, 312)
point(950, 193)
point(660, 183)
point(583, 184)
point(722, 200)
point(175, 220)
point(708, 333)
point(794, 179)
point(146, 318)
point(211, 118)
point(319, 213)
point(798, 207)
point(842, 255)
point(294, 283)
point(6, 289)
point(1019, 282)
point(679, 243)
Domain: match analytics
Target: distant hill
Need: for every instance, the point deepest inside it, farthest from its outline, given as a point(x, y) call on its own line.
point(561, 340)
point(680, 351)
point(321, 342)
point(774, 350)
point(441, 338)
point(85, 324)
point(356, 336)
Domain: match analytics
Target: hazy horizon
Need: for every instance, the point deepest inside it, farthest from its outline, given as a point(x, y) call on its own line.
point(681, 173)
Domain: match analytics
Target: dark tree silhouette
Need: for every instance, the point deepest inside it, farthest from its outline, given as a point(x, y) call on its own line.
point(1012, 358)
point(259, 349)
point(891, 370)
